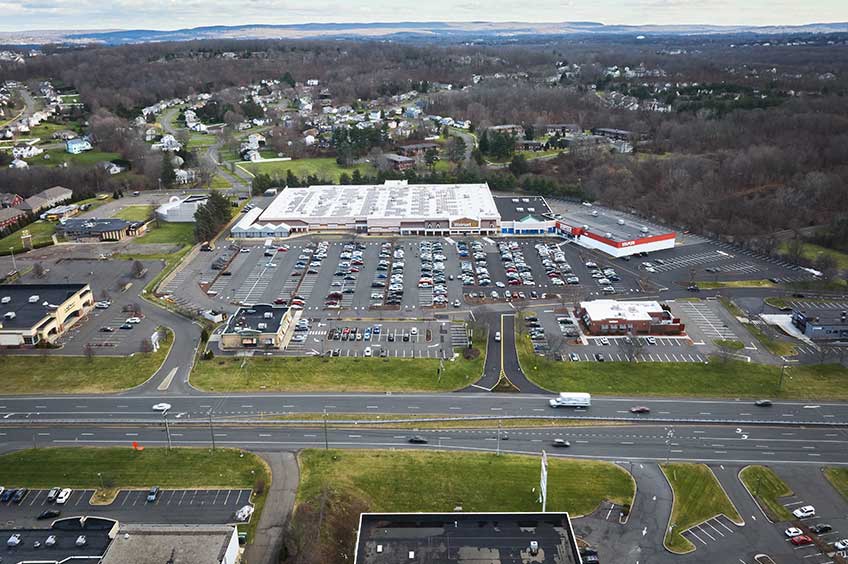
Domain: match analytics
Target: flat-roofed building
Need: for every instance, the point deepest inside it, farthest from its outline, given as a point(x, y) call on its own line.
point(395, 207)
point(32, 313)
point(181, 210)
point(99, 229)
point(59, 213)
point(173, 544)
point(614, 317)
point(399, 163)
point(612, 232)
point(450, 538)
point(525, 215)
point(821, 324)
point(248, 227)
point(260, 326)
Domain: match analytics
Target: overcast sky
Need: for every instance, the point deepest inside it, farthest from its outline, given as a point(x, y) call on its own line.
point(19, 15)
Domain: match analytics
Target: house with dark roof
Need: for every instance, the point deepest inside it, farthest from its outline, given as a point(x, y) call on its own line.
point(10, 218)
point(9, 200)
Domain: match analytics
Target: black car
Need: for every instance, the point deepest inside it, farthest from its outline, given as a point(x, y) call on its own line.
point(20, 495)
point(418, 440)
point(763, 403)
point(48, 514)
point(821, 528)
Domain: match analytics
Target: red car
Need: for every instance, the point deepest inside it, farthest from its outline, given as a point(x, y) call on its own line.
point(640, 409)
point(801, 540)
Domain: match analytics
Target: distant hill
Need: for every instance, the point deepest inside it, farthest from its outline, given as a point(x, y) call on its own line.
point(402, 31)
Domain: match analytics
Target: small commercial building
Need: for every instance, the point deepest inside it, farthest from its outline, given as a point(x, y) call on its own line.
point(59, 213)
point(260, 326)
point(395, 207)
point(20, 545)
point(173, 544)
point(32, 313)
point(614, 317)
point(46, 199)
point(525, 215)
point(181, 210)
point(90, 230)
point(248, 227)
point(822, 324)
point(490, 538)
point(416, 150)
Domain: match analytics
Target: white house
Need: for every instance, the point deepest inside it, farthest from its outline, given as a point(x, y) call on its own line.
point(26, 151)
point(77, 146)
point(184, 176)
point(168, 143)
point(18, 163)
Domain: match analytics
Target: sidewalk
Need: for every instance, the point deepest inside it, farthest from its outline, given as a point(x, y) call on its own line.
point(265, 547)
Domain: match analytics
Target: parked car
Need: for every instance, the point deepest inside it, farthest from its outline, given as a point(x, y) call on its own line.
point(63, 496)
point(805, 512)
point(801, 540)
point(20, 495)
point(153, 494)
point(793, 532)
point(52, 494)
point(48, 514)
point(841, 544)
point(820, 528)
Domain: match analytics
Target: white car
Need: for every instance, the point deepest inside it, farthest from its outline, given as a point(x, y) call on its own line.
point(133, 320)
point(63, 496)
point(102, 305)
point(14, 540)
point(841, 545)
point(299, 338)
point(804, 512)
point(413, 331)
point(367, 351)
point(51, 540)
point(500, 284)
point(81, 540)
point(162, 407)
point(793, 532)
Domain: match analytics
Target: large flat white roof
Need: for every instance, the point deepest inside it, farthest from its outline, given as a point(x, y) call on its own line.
point(392, 200)
point(626, 311)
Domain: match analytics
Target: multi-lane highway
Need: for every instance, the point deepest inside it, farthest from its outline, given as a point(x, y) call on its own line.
point(623, 443)
point(192, 406)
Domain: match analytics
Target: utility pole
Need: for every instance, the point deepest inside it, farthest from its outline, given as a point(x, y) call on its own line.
point(14, 266)
point(100, 475)
point(326, 442)
point(167, 429)
point(211, 429)
point(499, 437)
point(782, 372)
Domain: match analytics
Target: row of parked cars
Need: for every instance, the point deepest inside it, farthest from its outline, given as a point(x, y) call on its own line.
point(604, 276)
point(556, 267)
point(16, 539)
point(389, 276)
point(799, 538)
point(518, 273)
point(473, 272)
point(432, 259)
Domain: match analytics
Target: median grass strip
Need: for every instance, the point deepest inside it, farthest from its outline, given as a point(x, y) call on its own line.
point(340, 374)
point(707, 285)
point(717, 378)
point(767, 488)
point(359, 420)
point(56, 374)
point(123, 467)
point(697, 497)
point(439, 481)
point(838, 478)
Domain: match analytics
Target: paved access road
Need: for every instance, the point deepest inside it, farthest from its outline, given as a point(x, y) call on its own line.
point(710, 444)
point(193, 406)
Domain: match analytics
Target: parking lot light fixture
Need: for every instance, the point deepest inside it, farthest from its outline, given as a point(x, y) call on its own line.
point(100, 475)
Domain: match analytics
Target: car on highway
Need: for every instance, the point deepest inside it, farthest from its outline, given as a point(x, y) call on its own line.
point(640, 409)
point(161, 406)
point(763, 403)
point(560, 443)
point(805, 512)
point(841, 544)
point(418, 440)
point(48, 514)
point(63, 496)
point(793, 532)
point(820, 528)
point(801, 540)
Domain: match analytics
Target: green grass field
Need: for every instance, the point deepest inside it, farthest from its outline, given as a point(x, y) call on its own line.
point(838, 478)
point(70, 98)
point(54, 374)
point(697, 497)
point(201, 140)
point(320, 374)
point(220, 182)
point(734, 379)
point(176, 233)
point(45, 130)
point(811, 252)
point(123, 467)
point(434, 481)
point(767, 487)
point(325, 168)
point(59, 156)
point(42, 234)
point(135, 213)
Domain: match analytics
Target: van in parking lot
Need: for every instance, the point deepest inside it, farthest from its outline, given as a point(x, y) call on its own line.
point(153, 494)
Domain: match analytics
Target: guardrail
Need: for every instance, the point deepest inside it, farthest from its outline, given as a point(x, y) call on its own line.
point(266, 420)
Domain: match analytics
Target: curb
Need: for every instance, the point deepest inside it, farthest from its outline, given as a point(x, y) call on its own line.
point(753, 497)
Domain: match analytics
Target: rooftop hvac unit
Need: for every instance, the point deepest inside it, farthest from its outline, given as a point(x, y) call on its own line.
point(34, 299)
point(5, 300)
point(9, 315)
point(644, 229)
point(268, 315)
point(262, 326)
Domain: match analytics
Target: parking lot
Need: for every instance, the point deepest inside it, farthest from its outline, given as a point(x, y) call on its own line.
point(714, 530)
point(706, 321)
point(172, 506)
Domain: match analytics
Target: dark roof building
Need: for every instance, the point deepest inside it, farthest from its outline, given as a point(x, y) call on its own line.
point(519, 207)
point(107, 229)
point(31, 313)
point(173, 544)
point(455, 538)
point(64, 547)
point(399, 162)
point(822, 324)
point(257, 326)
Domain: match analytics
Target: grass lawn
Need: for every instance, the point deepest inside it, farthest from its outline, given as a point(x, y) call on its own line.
point(135, 213)
point(219, 182)
point(42, 235)
point(53, 374)
point(70, 98)
point(811, 252)
point(321, 374)
point(734, 379)
point(401, 481)
point(774, 346)
point(200, 140)
point(735, 284)
point(164, 232)
point(767, 487)
point(325, 168)
point(123, 467)
point(46, 129)
point(87, 158)
point(838, 478)
point(697, 497)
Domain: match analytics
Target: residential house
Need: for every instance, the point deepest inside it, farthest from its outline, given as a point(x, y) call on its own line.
point(10, 217)
point(26, 151)
point(561, 128)
point(77, 146)
point(184, 176)
point(65, 135)
point(46, 199)
point(416, 150)
point(510, 129)
point(18, 163)
point(168, 143)
point(9, 200)
point(529, 145)
point(399, 163)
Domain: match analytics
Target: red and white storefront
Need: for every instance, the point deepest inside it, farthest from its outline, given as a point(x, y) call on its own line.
point(587, 238)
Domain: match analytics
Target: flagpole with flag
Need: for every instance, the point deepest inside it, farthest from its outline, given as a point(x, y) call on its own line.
point(543, 482)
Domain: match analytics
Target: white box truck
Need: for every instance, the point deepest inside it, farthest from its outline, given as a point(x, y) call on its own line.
point(571, 399)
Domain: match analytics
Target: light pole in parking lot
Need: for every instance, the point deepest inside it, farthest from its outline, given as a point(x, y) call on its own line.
point(211, 429)
point(100, 475)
